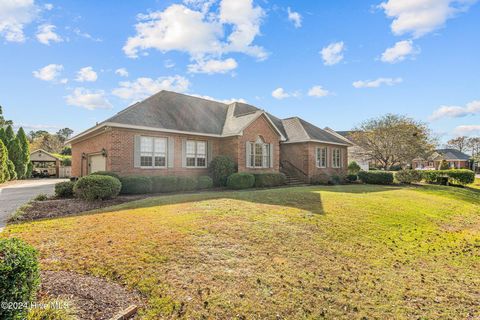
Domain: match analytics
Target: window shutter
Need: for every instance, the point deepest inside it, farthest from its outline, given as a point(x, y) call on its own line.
point(171, 152)
point(209, 152)
point(136, 151)
point(272, 156)
point(247, 154)
point(184, 153)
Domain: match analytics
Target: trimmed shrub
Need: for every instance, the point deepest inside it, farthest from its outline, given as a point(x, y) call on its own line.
point(321, 178)
point(186, 183)
point(106, 173)
point(96, 187)
point(376, 177)
point(162, 184)
point(455, 176)
point(241, 180)
point(351, 177)
point(64, 189)
point(204, 182)
point(408, 176)
point(461, 176)
point(353, 168)
point(267, 180)
point(136, 185)
point(19, 276)
point(221, 168)
point(41, 197)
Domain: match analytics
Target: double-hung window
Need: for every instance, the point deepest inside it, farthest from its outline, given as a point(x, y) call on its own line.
point(322, 157)
point(259, 154)
point(196, 153)
point(153, 152)
point(336, 158)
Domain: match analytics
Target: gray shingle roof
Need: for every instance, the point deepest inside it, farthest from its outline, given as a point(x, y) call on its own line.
point(452, 154)
point(175, 111)
point(179, 112)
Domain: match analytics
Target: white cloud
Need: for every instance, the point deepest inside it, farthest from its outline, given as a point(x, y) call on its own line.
point(280, 94)
point(48, 6)
point(88, 99)
point(318, 92)
point(50, 72)
point(399, 52)
point(419, 17)
point(145, 87)
point(377, 83)
point(213, 66)
point(295, 17)
point(203, 34)
point(333, 53)
point(86, 74)
point(472, 108)
point(122, 72)
point(46, 34)
point(14, 16)
point(85, 35)
point(467, 130)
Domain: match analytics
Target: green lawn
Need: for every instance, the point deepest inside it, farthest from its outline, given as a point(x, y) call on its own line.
point(342, 252)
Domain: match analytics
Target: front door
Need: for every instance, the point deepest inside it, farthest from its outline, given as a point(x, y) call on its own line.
point(97, 163)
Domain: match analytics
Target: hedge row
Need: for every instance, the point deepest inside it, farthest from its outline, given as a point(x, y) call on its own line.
point(453, 176)
point(376, 177)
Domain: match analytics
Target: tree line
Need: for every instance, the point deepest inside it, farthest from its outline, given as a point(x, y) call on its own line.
point(15, 148)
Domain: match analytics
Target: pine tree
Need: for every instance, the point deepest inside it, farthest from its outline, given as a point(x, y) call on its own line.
point(22, 138)
point(3, 136)
point(15, 154)
point(4, 176)
point(12, 174)
point(9, 136)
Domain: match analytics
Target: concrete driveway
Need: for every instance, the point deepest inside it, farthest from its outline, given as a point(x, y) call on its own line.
point(14, 195)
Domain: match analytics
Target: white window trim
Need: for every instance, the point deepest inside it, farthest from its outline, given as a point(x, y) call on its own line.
point(266, 158)
point(334, 165)
point(153, 166)
point(318, 161)
point(196, 154)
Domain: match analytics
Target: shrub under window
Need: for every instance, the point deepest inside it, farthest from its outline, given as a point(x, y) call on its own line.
point(241, 181)
point(220, 168)
point(204, 182)
point(136, 185)
point(97, 187)
point(162, 184)
point(266, 180)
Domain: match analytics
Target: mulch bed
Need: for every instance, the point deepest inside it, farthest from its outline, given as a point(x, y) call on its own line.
point(92, 298)
point(63, 207)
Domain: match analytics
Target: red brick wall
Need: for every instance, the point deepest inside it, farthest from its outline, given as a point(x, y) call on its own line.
point(94, 144)
point(260, 126)
point(303, 156)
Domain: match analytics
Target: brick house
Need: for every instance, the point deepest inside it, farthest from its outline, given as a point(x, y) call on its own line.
point(454, 158)
point(176, 134)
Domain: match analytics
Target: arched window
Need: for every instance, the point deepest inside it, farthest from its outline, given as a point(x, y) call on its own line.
point(259, 154)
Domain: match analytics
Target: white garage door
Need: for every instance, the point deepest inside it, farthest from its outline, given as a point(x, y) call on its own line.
point(97, 163)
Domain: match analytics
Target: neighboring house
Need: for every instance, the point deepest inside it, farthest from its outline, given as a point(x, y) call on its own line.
point(455, 159)
point(47, 164)
point(176, 134)
point(355, 152)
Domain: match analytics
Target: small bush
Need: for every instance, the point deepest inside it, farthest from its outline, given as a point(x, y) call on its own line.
point(351, 177)
point(336, 179)
point(19, 276)
point(106, 173)
point(241, 180)
point(186, 183)
point(353, 168)
point(162, 184)
point(221, 168)
point(41, 197)
point(408, 176)
point(64, 189)
point(136, 185)
point(268, 180)
point(204, 182)
point(97, 187)
point(321, 178)
point(376, 177)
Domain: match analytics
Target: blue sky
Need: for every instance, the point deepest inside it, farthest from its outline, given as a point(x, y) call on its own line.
point(333, 63)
